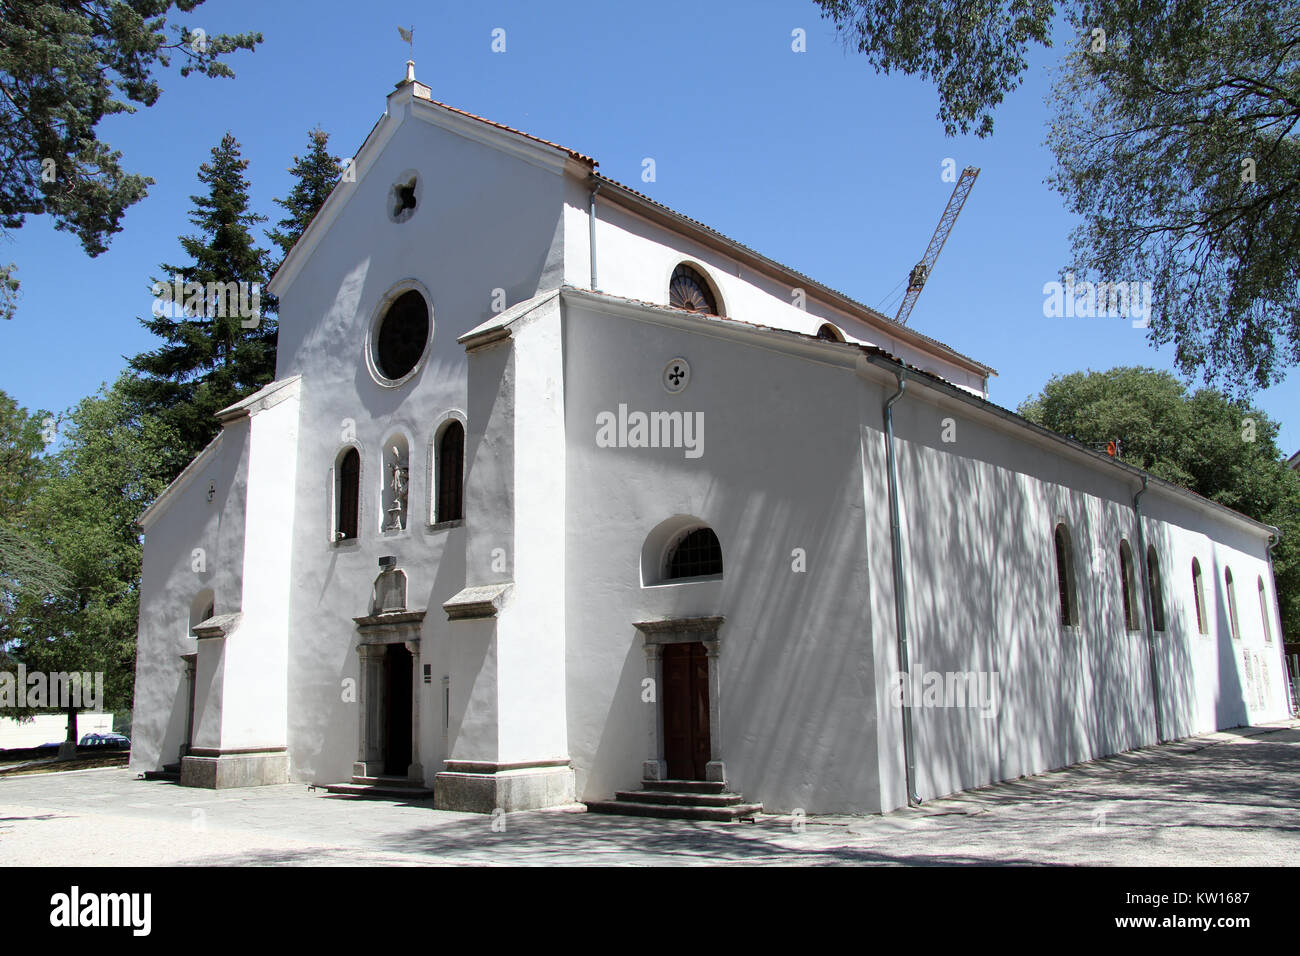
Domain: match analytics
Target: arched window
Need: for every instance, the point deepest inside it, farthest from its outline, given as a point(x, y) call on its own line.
point(1263, 613)
point(698, 554)
point(1157, 589)
point(450, 458)
point(1065, 589)
point(1232, 604)
point(347, 495)
point(1198, 592)
point(830, 333)
point(1126, 586)
point(689, 290)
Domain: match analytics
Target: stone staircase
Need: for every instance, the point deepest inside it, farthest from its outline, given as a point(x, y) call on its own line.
point(386, 788)
point(679, 800)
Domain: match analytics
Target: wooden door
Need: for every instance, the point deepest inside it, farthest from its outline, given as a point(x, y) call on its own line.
point(686, 710)
point(397, 712)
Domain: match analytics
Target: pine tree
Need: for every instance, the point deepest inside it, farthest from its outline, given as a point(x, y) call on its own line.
point(214, 351)
point(63, 68)
point(316, 174)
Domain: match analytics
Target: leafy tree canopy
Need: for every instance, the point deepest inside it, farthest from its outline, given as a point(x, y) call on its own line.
point(82, 516)
point(1174, 132)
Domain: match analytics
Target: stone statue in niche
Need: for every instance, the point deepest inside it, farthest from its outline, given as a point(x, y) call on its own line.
point(398, 474)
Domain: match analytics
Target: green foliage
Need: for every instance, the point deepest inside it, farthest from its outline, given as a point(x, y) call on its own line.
point(316, 174)
point(81, 514)
point(24, 567)
point(1202, 441)
point(208, 360)
point(1150, 139)
point(974, 53)
point(1155, 109)
point(64, 66)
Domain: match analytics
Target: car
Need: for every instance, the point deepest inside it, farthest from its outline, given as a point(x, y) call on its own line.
point(109, 741)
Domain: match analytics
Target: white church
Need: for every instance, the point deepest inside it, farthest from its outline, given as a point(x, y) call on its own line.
point(562, 496)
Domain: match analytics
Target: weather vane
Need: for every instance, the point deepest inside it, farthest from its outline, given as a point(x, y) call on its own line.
point(409, 37)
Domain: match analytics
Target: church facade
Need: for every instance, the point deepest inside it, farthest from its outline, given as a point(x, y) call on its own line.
point(559, 493)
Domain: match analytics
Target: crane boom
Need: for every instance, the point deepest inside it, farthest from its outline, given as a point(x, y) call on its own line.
point(921, 271)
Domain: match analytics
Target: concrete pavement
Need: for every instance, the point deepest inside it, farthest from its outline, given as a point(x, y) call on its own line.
point(1227, 798)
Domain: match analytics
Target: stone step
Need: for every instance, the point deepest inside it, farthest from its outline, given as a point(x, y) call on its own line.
point(728, 814)
point(685, 786)
point(385, 791)
point(680, 799)
point(388, 782)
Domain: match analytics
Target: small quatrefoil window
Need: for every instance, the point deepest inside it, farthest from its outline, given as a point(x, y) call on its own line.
point(404, 197)
point(677, 375)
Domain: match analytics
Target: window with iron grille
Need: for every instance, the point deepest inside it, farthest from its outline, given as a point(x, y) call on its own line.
point(698, 554)
point(689, 290)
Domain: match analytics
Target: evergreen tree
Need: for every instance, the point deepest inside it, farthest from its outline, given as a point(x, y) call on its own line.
point(316, 174)
point(63, 68)
point(214, 351)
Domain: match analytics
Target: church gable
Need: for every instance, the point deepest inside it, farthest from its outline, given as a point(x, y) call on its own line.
point(470, 210)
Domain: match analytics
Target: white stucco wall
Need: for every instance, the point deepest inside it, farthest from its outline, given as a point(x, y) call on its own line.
point(635, 259)
point(486, 220)
point(796, 670)
point(979, 515)
point(170, 582)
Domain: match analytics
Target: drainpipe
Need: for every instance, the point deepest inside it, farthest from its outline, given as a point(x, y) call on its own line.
point(1146, 600)
point(1275, 538)
point(591, 231)
point(900, 592)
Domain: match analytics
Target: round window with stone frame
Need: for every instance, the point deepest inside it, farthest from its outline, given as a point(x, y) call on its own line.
point(401, 336)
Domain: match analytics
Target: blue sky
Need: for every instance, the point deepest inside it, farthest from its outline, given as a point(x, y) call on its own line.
point(811, 158)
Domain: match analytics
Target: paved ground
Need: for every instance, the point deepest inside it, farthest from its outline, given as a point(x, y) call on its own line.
point(1226, 798)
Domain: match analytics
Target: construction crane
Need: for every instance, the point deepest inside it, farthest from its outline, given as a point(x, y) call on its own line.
point(921, 271)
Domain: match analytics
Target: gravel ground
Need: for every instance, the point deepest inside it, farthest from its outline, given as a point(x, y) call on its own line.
point(1225, 798)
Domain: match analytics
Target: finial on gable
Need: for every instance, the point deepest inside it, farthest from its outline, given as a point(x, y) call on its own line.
point(410, 72)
